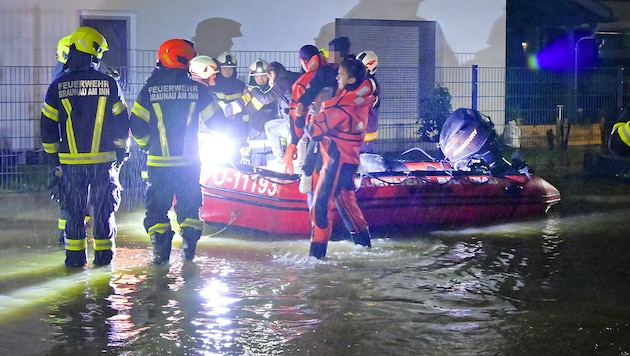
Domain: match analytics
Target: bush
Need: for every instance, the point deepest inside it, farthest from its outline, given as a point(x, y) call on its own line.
point(433, 110)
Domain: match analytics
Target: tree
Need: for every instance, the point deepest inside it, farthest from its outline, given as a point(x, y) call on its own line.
point(433, 110)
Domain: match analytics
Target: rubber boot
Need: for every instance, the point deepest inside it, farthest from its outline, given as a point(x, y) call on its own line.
point(189, 246)
point(103, 257)
point(76, 258)
point(162, 247)
point(318, 250)
point(362, 238)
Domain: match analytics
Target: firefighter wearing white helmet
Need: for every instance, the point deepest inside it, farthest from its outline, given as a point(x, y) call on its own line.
point(370, 61)
point(203, 69)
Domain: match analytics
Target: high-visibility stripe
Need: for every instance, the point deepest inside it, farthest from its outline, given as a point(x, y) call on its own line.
point(143, 141)
point(370, 136)
point(194, 223)
point(51, 147)
point(61, 224)
point(159, 161)
point(50, 112)
point(228, 97)
point(624, 133)
point(120, 143)
point(141, 112)
point(189, 117)
point(159, 228)
point(157, 109)
point(257, 103)
point(209, 111)
point(75, 245)
point(87, 158)
point(98, 124)
point(72, 143)
point(103, 244)
point(119, 107)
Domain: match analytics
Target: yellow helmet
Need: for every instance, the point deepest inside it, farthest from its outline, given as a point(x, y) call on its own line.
point(88, 40)
point(63, 47)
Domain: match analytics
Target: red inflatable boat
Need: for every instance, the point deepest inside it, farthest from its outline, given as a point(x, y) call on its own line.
point(472, 185)
point(423, 198)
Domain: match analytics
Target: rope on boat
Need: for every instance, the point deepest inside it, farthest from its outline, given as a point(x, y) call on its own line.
point(232, 218)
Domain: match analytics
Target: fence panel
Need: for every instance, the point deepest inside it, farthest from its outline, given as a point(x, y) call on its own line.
point(593, 97)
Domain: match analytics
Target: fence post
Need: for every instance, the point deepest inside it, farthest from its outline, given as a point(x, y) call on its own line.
point(475, 83)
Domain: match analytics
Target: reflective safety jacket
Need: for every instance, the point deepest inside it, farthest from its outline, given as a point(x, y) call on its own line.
point(344, 120)
point(619, 141)
point(84, 118)
point(165, 117)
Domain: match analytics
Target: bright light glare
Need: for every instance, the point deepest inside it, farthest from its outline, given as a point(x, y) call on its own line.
point(215, 148)
point(16, 302)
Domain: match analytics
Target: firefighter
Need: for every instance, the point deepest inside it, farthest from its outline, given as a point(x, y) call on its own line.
point(84, 128)
point(340, 128)
point(619, 140)
point(165, 123)
point(227, 89)
point(63, 48)
point(370, 60)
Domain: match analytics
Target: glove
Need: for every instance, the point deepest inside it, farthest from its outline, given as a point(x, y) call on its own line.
point(289, 155)
point(54, 183)
point(121, 156)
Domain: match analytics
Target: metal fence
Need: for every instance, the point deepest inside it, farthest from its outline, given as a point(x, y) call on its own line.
point(590, 97)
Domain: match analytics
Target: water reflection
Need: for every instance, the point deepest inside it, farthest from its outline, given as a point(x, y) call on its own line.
point(556, 285)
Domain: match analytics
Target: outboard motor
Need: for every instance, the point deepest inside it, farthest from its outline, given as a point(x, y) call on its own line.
point(468, 140)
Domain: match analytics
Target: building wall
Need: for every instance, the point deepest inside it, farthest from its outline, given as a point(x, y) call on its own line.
point(474, 30)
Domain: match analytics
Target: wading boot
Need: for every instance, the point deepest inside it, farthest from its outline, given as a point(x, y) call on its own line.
point(362, 238)
point(162, 247)
point(190, 246)
point(76, 258)
point(103, 257)
point(318, 250)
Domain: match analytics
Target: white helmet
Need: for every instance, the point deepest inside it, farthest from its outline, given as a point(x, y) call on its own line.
point(259, 67)
point(370, 61)
point(226, 60)
point(202, 67)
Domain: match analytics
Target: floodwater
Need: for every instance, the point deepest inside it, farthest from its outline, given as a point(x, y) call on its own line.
point(557, 285)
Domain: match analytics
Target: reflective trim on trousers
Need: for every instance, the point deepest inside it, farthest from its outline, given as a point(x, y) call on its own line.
point(103, 245)
point(75, 245)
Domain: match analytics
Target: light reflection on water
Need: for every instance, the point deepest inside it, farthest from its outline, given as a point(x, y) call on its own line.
point(555, 285)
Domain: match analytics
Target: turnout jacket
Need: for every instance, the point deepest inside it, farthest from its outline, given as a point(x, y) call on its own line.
point(344, 120)
point(165, 117)
point(84, 117)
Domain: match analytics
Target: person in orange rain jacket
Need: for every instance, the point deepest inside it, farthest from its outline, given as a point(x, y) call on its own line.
point(339, 125)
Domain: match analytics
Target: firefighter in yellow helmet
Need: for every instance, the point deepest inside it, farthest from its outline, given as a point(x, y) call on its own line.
point(619, 140)
point(84, 129)
point(63, 50)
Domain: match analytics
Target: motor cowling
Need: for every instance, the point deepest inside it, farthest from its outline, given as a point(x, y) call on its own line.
point(466, 137)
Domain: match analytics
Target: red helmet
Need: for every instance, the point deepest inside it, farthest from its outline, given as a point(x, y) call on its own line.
point(176, 53)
